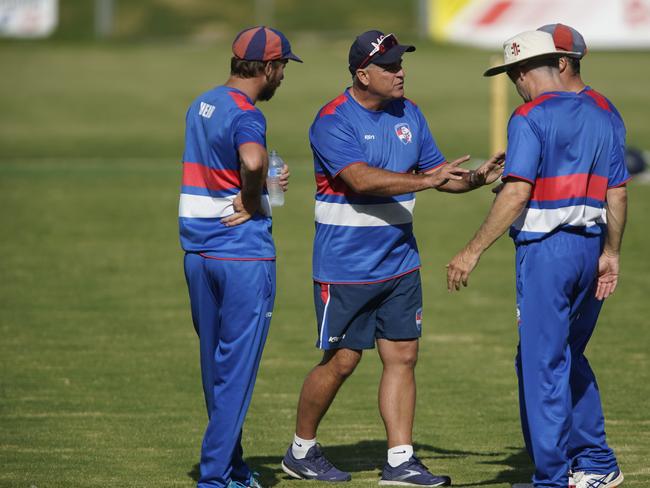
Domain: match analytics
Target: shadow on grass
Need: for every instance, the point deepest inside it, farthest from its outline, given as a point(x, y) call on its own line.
point(518, 468)
point(370, 456)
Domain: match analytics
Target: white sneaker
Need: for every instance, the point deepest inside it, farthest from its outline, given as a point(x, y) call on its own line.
point(592, 480)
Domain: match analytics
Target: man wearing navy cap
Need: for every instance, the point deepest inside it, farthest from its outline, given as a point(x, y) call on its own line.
point(565, 203)
point(372, 151)
point(225, 231)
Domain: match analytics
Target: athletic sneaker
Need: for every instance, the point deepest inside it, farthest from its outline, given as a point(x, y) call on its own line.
point(253, 482)
point(236, 484)
point(593, 480)
point(412, 473)
point(314, 466)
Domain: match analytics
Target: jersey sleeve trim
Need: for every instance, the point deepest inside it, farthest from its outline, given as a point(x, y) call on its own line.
point(250, 142)
point(429, 170)
point(347, 166)
point(516, 177)
point(623, 183)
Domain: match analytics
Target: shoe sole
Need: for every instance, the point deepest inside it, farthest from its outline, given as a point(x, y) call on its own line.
point(612, 484)
point(298, 476)
point(406, 483)
point(292, 473)
point(616, 482)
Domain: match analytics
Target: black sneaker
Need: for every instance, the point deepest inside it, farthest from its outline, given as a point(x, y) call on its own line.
point(412, 473)
point(314, 466)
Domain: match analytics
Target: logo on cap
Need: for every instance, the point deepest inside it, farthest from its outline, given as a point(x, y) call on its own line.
point(515, 49)
point(377, 47)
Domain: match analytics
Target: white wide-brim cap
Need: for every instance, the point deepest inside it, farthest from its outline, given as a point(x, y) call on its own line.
point(525, 46)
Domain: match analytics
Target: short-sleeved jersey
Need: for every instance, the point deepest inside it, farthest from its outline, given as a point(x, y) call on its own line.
point(364, 238)
point(605, 104)
point(568, 148)
point(218, 123)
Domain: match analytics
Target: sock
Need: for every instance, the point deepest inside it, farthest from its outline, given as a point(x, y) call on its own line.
point(299, 447)
point(399, 454)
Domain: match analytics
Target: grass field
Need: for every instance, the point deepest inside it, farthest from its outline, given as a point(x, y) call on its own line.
point(99, 378)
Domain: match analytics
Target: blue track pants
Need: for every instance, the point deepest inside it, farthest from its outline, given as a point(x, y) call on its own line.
point(232, 303)
point(561, 414)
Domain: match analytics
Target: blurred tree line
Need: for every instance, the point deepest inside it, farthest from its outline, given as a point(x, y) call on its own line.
point(211, 20)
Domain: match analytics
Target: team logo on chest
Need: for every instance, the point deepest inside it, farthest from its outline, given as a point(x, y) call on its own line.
point(403, 133)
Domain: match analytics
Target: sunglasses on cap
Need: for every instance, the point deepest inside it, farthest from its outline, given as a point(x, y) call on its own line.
point(387, 42)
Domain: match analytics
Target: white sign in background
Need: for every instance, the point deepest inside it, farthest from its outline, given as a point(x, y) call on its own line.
point(607, 24)
point(28, 18)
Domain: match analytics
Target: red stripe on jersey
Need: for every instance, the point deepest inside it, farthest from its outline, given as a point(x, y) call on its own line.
point(527, 107)
point(570, 186)
point(241, 101)
point(495, 12)
point(600, 100)
point(324, 292)
point(273, 47)
point(326, 185)
point(330, 108)
point(195, 174)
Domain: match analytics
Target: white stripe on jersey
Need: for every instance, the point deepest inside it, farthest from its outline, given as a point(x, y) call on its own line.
point(358, 215)
point(206, 207)
point(546, 220)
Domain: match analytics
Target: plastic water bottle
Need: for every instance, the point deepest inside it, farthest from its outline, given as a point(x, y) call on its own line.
point(276, 195)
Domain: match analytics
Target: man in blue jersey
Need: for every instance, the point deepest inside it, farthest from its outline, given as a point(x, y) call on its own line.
point(566, 38)
point(225, 230)
point(565, 202)
point(372, 151)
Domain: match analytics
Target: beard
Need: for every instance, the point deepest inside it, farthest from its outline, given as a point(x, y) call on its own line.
point(269, 90)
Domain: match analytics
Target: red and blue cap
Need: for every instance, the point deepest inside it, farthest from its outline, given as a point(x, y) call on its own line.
point(262, 44)
point(566, 38)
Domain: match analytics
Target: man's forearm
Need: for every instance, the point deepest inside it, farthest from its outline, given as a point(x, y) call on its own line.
point(365, 179)
point(468, 183)
point(252, 184)
point(616, 219)
point(508, 205)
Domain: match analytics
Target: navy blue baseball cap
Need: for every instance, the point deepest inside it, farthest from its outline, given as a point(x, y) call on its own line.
point(375, 47)
point(262, 44)
point(566, 38)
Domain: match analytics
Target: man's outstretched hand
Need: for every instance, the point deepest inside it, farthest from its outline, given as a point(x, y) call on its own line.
point(490, 170)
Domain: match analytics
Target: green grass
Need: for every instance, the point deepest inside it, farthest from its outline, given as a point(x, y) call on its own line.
point(99, 379)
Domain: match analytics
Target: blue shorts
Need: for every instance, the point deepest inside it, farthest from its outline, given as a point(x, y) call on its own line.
point(353, 316)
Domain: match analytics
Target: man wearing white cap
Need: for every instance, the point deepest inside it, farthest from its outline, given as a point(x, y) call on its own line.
point(565, 202)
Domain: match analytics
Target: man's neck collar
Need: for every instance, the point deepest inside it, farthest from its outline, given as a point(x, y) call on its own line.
point(251, 87)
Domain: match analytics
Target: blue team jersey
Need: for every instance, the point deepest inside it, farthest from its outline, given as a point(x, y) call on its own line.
point(605, 104)
point(362, 238)
point(569, 149)
point(217, 123)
